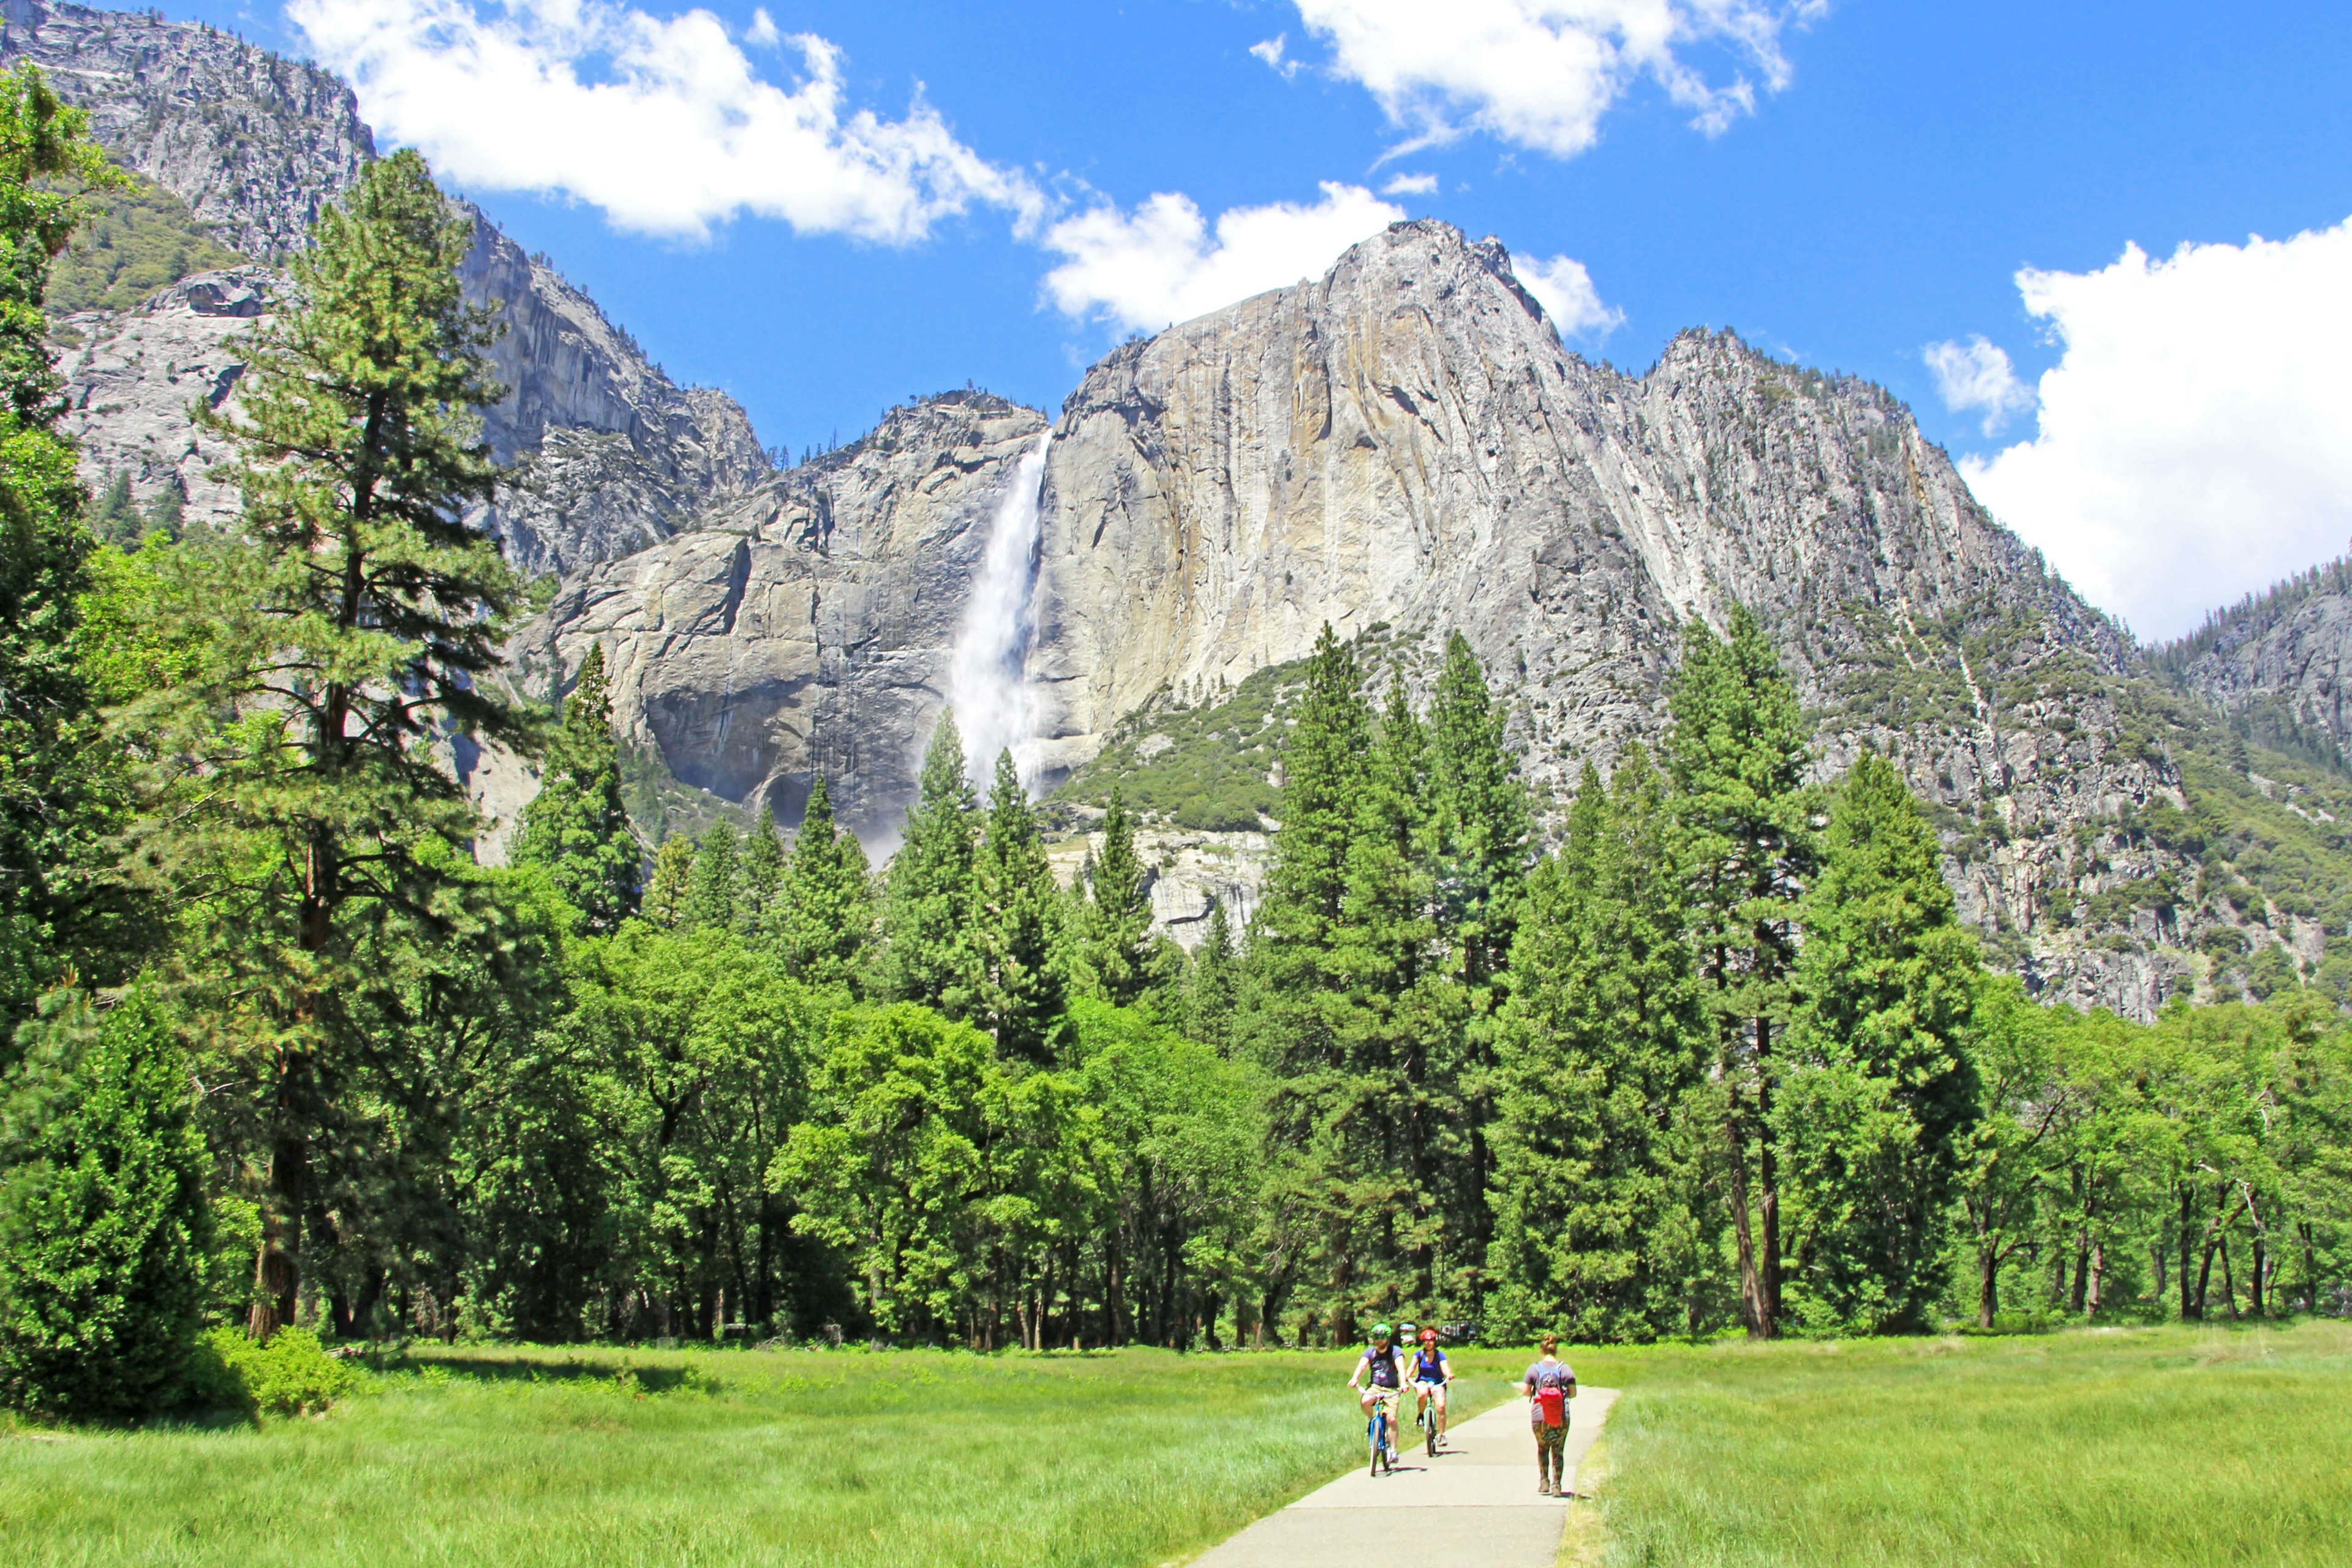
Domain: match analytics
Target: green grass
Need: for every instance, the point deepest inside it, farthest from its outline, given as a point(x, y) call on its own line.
point(2150, 1447)
point(529, 1456)
point(2139, 1447)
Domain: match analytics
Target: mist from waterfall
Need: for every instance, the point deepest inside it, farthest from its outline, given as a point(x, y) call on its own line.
point(987, 678)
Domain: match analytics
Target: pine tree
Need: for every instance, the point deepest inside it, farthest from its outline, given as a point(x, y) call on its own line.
point(1737, 755)
point(1480, 816)
point(1882, 1091)
point(1115, 911)
point(714, 892)
point(672, 881)
point(823, 919)
point(1394, 1110)
point(1482, 836)
point(1600, 1227)
point(116, 520)
point(349, 621)
point(576, 826)
point(1212, 987)
point(1022, 907)
point(60, 905)
point(930, 903)
point(103, 1219)
point(759, 875)
point(167, 510)
point(1293, 1017)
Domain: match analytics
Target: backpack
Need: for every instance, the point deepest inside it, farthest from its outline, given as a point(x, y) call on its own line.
point(1552, 1400)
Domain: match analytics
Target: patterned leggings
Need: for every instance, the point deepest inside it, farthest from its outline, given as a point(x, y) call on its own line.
point(1550, 1441)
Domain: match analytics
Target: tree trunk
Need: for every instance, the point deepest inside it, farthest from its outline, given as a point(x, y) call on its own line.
point(2229, 1282)
point(2254, 1283)
point(2077, 1302)
point(1987, 1285)
point(2205, 1275)
point(2189, 1303)
point(2098, 1271)
point(1751, 1296)
point(1767, 1262)
point(278, 1269)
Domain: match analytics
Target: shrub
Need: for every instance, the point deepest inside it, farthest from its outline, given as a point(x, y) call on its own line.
point(290, 1375)
point(103, 1223)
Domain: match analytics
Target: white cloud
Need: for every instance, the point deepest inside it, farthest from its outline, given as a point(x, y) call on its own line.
point(1411, 185)
point(662, 122)
point(1270, 50)
point(2196, 437)
point(1564, 288)
point(1977, 376)
point(1161, 263)
point(763, 30)
point(1540, 73)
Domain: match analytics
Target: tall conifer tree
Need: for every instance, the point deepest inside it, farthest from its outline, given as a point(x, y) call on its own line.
point(576, 826)
point(823, 919)
point(931, 901)
point(1394, 1112)
point(1600, 1228)
point(1482, 838)
point(1737, 755)
point(1115, 911)
point(61, 904)
point(1022, 908)
point(759, 875)
point(714, 892)
point(1881, 1091)
point(667, 889)
point(348, 621)
point(1211, 988)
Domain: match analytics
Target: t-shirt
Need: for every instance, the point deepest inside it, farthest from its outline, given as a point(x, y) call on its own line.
point(1386, 1373)
point(1429, 1366)
point(1550, 1374)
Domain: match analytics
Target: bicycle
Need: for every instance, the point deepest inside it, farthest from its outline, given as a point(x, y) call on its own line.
point(1377, 1430)
point(1428, 1420)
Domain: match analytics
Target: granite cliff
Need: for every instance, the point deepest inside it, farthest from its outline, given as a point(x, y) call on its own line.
point(610, 454)
point(1399, 447)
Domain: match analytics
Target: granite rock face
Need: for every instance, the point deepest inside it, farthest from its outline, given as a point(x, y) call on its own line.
point(131, 377)
point(2281, 662)
point(807, 626)
point(610, 454)
point(254, 144)
point(1405, 444)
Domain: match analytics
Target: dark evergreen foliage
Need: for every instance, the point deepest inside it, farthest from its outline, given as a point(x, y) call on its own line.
point(103, 1218)
point(577, 828)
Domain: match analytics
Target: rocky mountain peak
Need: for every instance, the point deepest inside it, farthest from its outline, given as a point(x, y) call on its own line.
point(254, 144)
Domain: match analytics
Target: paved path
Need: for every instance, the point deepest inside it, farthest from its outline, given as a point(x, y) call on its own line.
point(1474, 1504)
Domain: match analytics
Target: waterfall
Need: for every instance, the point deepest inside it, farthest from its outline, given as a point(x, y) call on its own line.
point(987, 679)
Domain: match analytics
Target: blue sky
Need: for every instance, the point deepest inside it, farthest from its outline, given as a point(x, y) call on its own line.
point(1847, 184)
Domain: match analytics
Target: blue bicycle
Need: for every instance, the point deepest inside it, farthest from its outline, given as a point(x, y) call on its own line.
point(1378, 1431)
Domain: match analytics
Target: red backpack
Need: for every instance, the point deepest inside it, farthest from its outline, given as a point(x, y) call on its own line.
point(1551, 1398)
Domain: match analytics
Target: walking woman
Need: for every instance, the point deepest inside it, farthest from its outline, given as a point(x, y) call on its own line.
point(1549, 1384)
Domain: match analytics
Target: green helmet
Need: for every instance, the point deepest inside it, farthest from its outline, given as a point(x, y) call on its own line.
point(1380, 1331)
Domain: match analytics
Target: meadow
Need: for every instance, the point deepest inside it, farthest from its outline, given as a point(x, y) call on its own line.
point(2142, 1446)
point(2147, 1446)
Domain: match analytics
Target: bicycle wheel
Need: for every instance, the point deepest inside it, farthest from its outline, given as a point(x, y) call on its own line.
point(1374, 1429)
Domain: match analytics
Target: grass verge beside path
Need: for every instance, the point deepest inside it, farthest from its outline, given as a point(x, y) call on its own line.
point(525, 1457)
point(2094, 1448)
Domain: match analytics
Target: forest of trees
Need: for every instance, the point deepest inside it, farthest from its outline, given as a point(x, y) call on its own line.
point(279, 1052)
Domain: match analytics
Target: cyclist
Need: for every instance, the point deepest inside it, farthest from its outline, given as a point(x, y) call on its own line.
point(1431, 1373)
point(1382, 1369)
